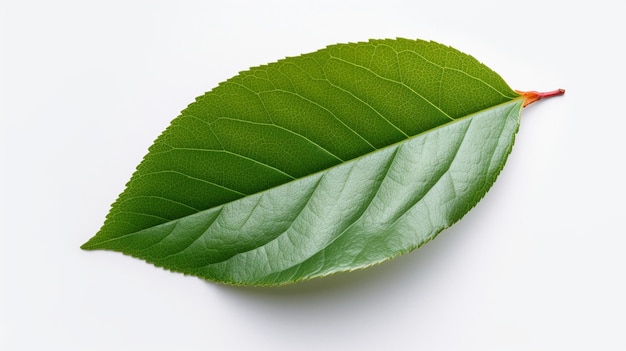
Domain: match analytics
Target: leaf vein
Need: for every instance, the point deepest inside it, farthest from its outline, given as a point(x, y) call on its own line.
point(195, 179)
point(422, 97)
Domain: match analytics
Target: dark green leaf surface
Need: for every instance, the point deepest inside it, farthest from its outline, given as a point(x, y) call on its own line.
point(326, 162)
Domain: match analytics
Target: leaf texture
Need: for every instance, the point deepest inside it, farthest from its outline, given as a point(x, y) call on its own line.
point(316, 164)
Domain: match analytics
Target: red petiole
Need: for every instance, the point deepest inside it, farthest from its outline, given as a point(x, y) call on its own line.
point(533, 96)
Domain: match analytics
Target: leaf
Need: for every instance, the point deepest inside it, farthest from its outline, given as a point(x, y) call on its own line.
point(326, 162)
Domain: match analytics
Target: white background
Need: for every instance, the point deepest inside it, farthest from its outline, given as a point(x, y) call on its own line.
point(86, 86)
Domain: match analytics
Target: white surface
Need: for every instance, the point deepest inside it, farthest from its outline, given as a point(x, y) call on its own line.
point(86, 87)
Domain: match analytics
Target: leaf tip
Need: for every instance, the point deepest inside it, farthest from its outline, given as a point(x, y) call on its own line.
point(534, 96)
point(86, 247)
point(89, 245)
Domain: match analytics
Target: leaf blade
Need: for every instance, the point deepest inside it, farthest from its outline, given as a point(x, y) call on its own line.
point(200, 197)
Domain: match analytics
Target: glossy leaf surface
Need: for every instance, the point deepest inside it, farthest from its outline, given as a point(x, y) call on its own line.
point(326, 162)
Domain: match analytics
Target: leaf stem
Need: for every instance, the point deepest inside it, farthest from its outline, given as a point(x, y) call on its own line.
point(533, 96)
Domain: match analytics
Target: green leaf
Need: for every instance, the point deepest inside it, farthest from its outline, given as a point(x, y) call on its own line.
point(326, 162)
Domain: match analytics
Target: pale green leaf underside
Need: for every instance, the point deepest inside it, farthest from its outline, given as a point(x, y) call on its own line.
point(326, 162)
